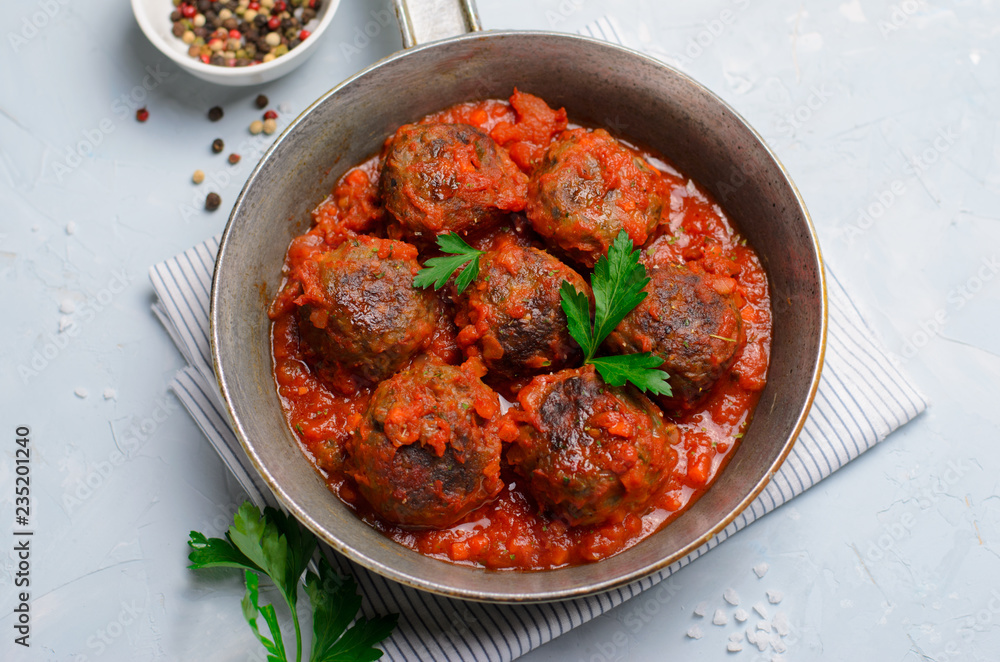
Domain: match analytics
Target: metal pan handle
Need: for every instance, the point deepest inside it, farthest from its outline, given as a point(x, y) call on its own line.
point(421, 21)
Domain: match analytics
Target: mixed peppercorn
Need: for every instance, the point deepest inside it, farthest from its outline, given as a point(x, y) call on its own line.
point(240, 33)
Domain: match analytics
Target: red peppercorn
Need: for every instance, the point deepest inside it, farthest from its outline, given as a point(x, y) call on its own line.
point(206, 59)
point(274, 23)
point(254, 6)
point(312, 4)
point(188, 11)
point(279, 7)
point(304, 34)
point(142, 114)
point(270, 115)
point(235, 34)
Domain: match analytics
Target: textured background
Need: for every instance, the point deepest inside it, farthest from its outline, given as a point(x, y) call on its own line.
point(889, 108)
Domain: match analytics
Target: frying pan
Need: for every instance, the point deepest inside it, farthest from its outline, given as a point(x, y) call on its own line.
point(599, 84)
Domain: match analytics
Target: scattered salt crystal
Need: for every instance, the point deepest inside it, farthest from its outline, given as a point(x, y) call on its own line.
point(777, 658)
point(780, 624)
point(760, 609)
point(284, 107)
point(734, 647)
point(777, 644)
point(741, 615)
point(71, 228)
point(36, 228)
point(720, 617)
point(763, 626)
point(762, 643)
point(736, 636)
point(694, 632)
point(701, 609)
point(774, 597)
point(80, 392)
point(751, 636)
point(761, 569)
point(67, 307)
point(110, 394)
point(64, 323)
point(731, 596)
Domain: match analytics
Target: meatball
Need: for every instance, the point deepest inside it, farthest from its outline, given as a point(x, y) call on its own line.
point(511, 315)
point(360, 312)
point(421, 456)
point(692, 321)
point(438, 178)
point(587, 189)
point(590, 452)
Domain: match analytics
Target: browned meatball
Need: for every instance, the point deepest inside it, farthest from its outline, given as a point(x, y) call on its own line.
point(360, 311)
point(692, 321)
point(421, 456)
point(511, 316)
point(590, 452)
point(587, 189)
point(438, 178)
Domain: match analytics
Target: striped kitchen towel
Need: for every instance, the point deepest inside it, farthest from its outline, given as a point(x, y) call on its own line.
point(862, 398)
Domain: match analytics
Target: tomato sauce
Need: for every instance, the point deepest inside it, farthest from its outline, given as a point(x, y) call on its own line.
point(510, 532)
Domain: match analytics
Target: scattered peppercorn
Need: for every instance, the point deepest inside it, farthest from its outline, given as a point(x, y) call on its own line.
point(198, 177)
point(270, 126)
point(215, 113)
point(234, 158)
point(261, 101)
point(270, 115)
point(256, 127)
point(142, 114)
point(212, 201)
point(218, 145)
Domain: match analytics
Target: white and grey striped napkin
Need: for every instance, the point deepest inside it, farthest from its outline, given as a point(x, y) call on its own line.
point(862, 398)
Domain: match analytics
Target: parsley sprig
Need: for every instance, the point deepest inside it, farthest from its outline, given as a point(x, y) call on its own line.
point(439, 269)
point(275, 545)
point(617, 283)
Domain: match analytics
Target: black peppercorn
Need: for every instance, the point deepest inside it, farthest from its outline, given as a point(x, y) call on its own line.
point(218, 145)
point(215, 113)
point(261, 101)
point(212, 201)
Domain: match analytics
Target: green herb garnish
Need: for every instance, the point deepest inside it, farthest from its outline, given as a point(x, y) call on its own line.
point(617, 282)
point(275, 545)
point(439, 269)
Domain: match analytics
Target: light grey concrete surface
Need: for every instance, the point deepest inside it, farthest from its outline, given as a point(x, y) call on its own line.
point(877, 108)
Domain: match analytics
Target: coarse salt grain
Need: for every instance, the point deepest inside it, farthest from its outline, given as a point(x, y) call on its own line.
point(284, 107)
point(781, 625)
point(736, 636)
point(751, 636)
point(760, 609)
point(734, 647)
point(64, 323)
point(701, 609)
point(70, 227)
point(777, 644)
point(720, 617)
point(80, 392)
point(741, 615)
point(110, 394)
point(694, 632)
point(763, 626)
point(67, 307)
point(761, 569)
point(762, 643)
point(774, 597)
point(731, 596)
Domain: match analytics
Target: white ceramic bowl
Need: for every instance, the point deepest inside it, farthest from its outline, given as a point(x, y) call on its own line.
point(153, 17)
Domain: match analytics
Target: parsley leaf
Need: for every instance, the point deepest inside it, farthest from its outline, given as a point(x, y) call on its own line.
point(618, 281)
point(439, 269)
point(275, 545)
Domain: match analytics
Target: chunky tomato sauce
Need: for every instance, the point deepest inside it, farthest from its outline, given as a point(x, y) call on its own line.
point(510, 532)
